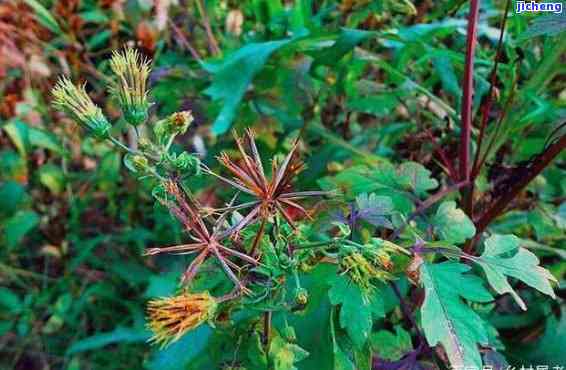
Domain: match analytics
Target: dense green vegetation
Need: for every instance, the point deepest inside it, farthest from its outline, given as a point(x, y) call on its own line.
point(345, 184)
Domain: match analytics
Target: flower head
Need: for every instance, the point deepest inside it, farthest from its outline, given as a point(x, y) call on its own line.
point(363, 270)
point(176, 124)
point(132, 71)
point(74, 101)
point(273, 196)
point(170, 318)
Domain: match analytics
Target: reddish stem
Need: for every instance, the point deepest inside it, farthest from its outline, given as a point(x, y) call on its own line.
point(486, 108)
point(538, 165)
point(468, 91)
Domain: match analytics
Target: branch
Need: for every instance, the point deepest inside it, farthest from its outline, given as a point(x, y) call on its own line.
point(538, 165)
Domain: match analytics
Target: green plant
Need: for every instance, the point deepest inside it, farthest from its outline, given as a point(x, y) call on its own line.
point(260, 250)
point(428, 140)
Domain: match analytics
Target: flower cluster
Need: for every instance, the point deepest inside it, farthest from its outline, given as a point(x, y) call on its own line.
point(213, 235)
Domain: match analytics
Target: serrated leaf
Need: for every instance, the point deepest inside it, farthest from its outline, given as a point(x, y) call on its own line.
point(452, 223)
point(284, 354)
point(503, 257)
point(232, 77)
point(447, 319)
point(416, 177)
point(391, 346)
point(373, 208)
point(356, 310)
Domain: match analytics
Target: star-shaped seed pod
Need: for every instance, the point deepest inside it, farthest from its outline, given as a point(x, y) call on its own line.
point(205, 243)
point(272, 195)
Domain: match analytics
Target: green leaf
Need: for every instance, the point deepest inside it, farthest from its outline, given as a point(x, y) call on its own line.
point(18, 132)
point(549, 25)
point(548, 348)
point(120, 334)
point(357, 310)
point(23, 136)
point(98, 40)
point(180, 354)
point(231, 78)
point(95, 16)
point(452, 223)
point(345, 43)
point(52, 177)
point(10, 300)
point(416, 177)
point(13, 166)
point(341, 360)
point(44, 16)
point(284, 354)
point(447, 319)
point(11, 194)
point(390, 346)
point(45, 139)
point(18, 226)
point(503, 257)
point(378, 105)
point(373, 208)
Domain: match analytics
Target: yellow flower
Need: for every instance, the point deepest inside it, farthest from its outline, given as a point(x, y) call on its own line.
point(74, 101)
point(175, 124)
point(362, 271)
point(132, 71)
point(170, 318)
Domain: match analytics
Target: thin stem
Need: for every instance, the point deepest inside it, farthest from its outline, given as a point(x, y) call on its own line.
point(407, 312)
point(468, 91)
point(267, 328)
point(185, 42)
point(494, 136)
point(486, 109)
point(323, 244)
point(206, 22)
point(122, 145)
point(127, 149)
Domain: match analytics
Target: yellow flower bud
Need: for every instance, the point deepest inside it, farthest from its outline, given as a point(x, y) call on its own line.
point(74, 101)
point(170, 318)
point(132, 71)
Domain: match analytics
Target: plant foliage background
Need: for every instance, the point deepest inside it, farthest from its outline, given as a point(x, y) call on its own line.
point(374, 90)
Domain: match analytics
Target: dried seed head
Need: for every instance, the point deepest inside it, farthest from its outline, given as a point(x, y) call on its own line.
point(75, 102)
point(132, 71)
point(170, 318)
